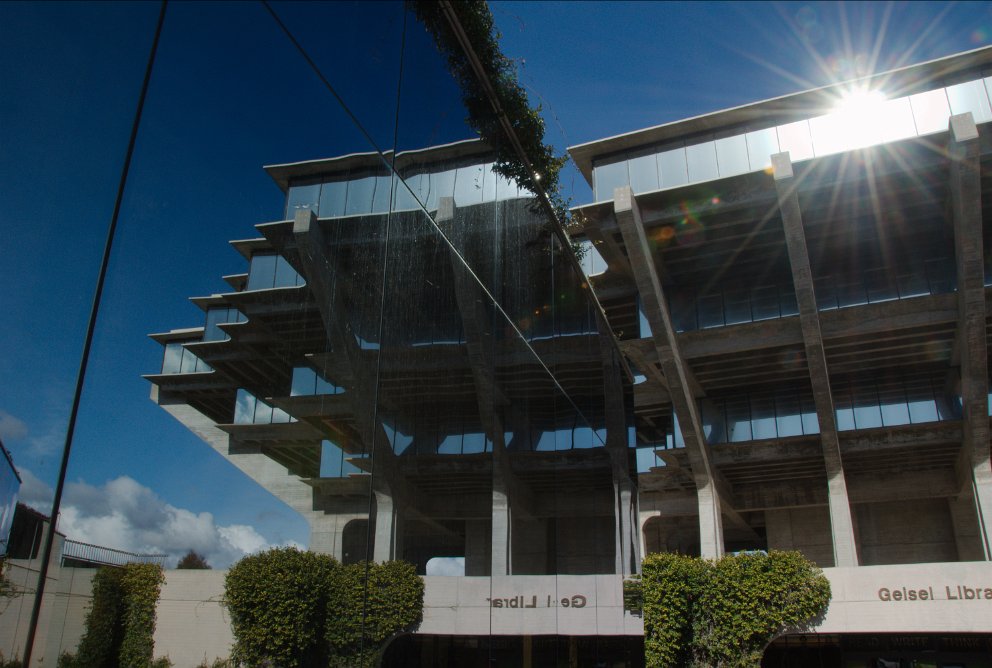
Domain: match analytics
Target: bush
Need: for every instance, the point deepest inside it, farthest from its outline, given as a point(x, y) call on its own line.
point(725, 612)
point(369, 604)
point(278, 603)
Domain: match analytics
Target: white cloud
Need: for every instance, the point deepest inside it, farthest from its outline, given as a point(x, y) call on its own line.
point(11, 428)
point(124, 514)
point(450, 566)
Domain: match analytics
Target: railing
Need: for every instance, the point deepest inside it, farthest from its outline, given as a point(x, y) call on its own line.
point(108, 556)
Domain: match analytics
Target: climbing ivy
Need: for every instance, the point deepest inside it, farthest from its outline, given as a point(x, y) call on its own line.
point(392, 598)
point(477, 22)
point(725, 613)
point(120, 625)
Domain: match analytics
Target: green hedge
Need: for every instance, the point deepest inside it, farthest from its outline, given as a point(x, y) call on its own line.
point(725, 612)
point(291, 608)
point(278, 602)
point(369, 604)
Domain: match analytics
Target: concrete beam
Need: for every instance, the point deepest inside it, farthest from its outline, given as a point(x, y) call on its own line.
point(974, 466)
point(842, 525)
point(675, 370)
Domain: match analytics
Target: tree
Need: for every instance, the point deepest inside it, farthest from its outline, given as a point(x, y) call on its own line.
point(193, 561)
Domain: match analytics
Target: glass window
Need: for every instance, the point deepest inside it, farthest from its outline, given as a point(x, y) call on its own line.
point(333, 195)
point(701, 162)
point(244, 408)
point(892, 402)
point(845, 413)
point(442, 184)
point(891, 122)
point(796, 139)
point(468, 185)
point(172, 362)
point(738, 411)
point(361, 192)
point(867, 414)
point(261, 271)
point(285, 275)
point(930, 111)
point(761, 146)
point(404, 199)
point(811, 423)
point(505, 188)
point(644, 327)
point(672, 168)
point(608, 177)
point(380, 198)
point(710, 308)
point(737, 306)
point(593, 263)
point(765, 303)
point(643, 173)
point(216, 317)
point(489, 181)
point(302, 197)
point(646, 459)
point(731, 155)
point(304, 382)
point(970, 96)
point(763, 417)
point(788, 415)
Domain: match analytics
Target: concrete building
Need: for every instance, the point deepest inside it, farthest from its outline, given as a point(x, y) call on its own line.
point(791, 354)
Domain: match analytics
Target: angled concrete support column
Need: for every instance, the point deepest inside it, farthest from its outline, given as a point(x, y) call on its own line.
point(974, 467)
point(387, 529)
point(501, 532)
point(841, 524)
point(675, 370)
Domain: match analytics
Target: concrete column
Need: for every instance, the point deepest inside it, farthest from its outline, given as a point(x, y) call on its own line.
point(478, 540)
point(386, 547)
point(642, 520)
point(974, 466)
point(501, 533)
point(967, 535)
point(841, 524)
point(625, 544)
point(676, 372)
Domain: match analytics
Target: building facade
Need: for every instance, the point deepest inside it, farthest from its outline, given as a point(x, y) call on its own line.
point(776, 340)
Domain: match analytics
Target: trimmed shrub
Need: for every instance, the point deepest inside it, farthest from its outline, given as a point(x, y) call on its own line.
point(724, 613)
point(278, 605)
point(369, 604)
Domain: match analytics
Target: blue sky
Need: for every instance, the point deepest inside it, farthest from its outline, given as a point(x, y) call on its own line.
point(229, 95)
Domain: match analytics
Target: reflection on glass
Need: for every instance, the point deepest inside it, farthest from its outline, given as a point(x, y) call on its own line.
point(608, 177)
point(672, 168)
point(930, 111)
point(796, 139)
point(970, 96)
point(701, 162)
point(643, 173)
point(731, 156)
point(761, 146)
point(302, 197)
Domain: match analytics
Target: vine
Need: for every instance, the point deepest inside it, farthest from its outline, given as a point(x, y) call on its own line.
point(477, 22)
point(120, 625)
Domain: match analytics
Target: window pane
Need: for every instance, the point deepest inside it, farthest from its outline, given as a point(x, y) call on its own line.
point(333, 195)
point(304, 382)
point(172, 361)
point(360, 194)
point(701, 161)
point(643, 173)
point(796, 139)
point(867, 414)
point(608, 177)
point(731, 155)
point(488, 183)
point(845, 413)
point(468, 185)
point(763, 417)
point(761, 145)
point(970, 96)
point(442, 184)
point(244, 408)
point(930, 111)
point(673, 169)
point(788, 415)
point(380, 198)
point(286, 276)
point(261, 272)
point(302, 197)
point(738, 419)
